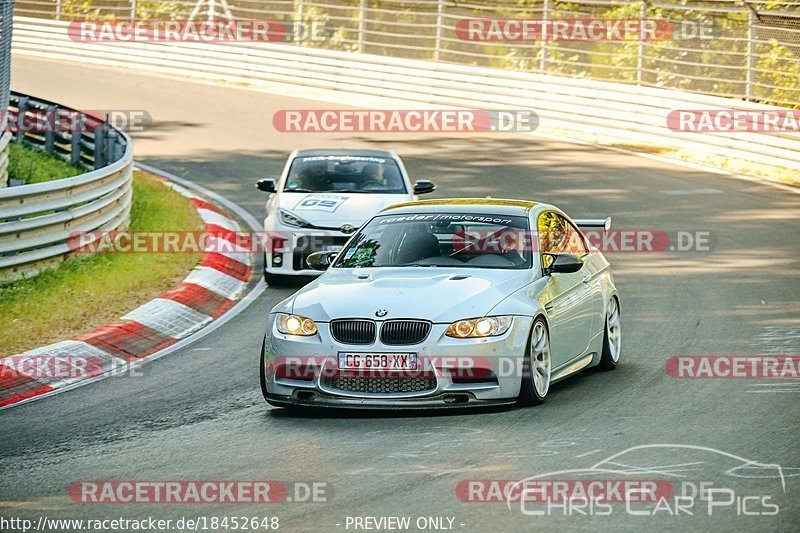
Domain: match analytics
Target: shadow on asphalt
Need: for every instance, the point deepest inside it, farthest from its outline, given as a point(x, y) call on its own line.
point(332, 412)
point(559, 392)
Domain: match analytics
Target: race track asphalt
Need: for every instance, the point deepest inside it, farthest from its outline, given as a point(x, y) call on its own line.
point(198, 413)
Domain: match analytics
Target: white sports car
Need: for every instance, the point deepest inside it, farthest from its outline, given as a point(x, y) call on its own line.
point(446, 303)
point(322, 197)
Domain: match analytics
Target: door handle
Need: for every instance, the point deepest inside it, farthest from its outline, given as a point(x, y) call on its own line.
point(586, 278)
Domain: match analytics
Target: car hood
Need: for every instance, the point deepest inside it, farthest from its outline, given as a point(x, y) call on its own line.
point(335, 210)
point(436, 294)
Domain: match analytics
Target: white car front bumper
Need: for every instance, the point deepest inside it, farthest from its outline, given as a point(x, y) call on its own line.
point(289, 257)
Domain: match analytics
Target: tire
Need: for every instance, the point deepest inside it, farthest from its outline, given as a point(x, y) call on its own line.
point(612, 337)
point(532, 390)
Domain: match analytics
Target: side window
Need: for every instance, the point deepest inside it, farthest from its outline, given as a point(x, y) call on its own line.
point(558, 236)
point(552, 231)
point(576, 244)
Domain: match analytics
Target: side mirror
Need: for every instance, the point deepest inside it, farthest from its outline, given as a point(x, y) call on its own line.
point(321, 260)
point(266, 185)
point(561, 263)
point(424, 186)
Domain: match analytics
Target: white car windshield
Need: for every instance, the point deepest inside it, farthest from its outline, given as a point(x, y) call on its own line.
point(460, 240)
point(345, 173)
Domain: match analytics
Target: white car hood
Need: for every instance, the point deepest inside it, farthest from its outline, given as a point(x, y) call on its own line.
point(435, 294)
point(332, 210)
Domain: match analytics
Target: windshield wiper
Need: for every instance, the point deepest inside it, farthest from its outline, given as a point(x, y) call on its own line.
point(297, 189)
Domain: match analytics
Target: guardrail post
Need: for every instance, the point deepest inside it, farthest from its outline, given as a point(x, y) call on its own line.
point(115, 146)
point(545, 45)
point(22, 107)
point(437, 46)
point(752, 19)
point(101, 138)
point(50, 125)
point(75, 147)
point(362, 24)
point(640, 53)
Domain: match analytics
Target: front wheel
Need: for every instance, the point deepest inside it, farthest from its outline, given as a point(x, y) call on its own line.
point(612, 338)
point(536, 366)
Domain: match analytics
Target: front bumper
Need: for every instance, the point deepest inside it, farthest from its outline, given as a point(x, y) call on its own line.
point(287, 251)
point(458, 372)
point(443, 401)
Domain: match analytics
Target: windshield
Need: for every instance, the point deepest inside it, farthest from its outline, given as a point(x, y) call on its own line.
point(345, 173)
point(465, 240)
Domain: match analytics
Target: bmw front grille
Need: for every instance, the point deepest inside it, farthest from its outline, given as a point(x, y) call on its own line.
point(353, 331)
point(393, 332)
point(404, 332)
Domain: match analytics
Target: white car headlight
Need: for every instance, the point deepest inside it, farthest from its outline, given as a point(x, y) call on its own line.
point(292, 220)
point(487, 326)
point(295, 325)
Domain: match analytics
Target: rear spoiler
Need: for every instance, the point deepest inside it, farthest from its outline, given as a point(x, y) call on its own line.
point(594, 223)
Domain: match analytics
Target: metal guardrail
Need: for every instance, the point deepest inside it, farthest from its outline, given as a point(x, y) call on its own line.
point(594, 107)
point(748, 49)
point(37, 221)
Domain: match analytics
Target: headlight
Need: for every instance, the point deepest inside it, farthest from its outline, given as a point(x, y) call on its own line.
point(295, 325)
point(292, 220)
point(487, 326)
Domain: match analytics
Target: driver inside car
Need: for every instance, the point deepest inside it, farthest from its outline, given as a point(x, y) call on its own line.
point(314, 177)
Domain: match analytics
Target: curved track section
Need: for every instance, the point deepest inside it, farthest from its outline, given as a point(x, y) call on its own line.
point(198, 414)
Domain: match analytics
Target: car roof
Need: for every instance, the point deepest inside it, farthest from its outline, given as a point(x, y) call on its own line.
point(465, 205)
point(343, 151)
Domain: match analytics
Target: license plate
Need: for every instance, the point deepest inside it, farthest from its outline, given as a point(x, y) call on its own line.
point(377, 361)
point(331, 247)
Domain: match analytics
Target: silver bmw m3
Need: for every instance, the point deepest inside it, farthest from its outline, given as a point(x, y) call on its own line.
point(446, 303)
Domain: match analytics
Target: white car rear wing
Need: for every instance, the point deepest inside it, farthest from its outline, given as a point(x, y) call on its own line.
point(594, 223)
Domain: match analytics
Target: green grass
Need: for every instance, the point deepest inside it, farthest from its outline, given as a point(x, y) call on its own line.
point(86, 292)
point(32, 165)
